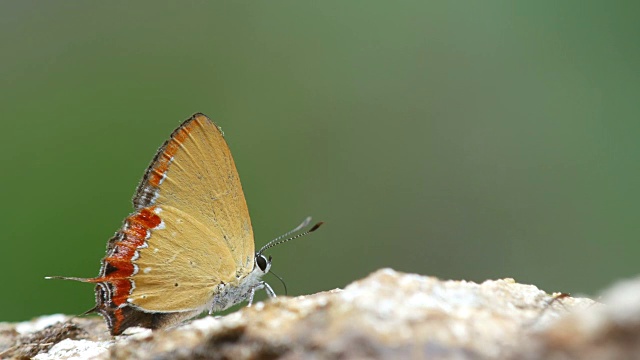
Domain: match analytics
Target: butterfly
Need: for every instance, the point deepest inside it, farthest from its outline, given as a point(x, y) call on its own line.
point(189, 246)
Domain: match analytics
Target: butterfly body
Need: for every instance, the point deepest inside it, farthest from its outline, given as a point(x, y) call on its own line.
point(243, 289)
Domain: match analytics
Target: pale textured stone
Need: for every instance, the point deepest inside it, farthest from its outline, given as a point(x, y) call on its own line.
point(387, 315)
point(606, 330)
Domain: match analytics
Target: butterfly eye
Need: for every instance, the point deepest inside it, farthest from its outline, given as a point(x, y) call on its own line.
point(261, 261)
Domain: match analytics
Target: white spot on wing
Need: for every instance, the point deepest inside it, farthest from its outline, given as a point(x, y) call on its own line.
point(147, 270)
point(133, 287)
point(164, 176)
point(154, 197)
point(161, 226)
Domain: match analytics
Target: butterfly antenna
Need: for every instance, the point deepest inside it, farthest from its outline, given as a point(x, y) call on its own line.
point(302, 225)
point(282, 281)
point(283, 238)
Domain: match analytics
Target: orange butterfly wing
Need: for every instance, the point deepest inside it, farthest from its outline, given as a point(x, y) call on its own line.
point(204, 236)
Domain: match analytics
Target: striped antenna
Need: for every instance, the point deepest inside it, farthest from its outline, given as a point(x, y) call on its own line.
point(282, 238)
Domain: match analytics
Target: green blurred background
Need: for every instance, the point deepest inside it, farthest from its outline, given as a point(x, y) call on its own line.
point(464, 140)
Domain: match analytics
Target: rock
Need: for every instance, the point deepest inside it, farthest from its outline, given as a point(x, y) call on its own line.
point(387, 315)
point(34, 338)
point(610, 331)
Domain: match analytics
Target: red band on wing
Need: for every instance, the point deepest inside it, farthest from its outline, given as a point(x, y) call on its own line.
point(118, 266)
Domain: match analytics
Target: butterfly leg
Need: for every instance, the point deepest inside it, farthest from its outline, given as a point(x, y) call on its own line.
point(268, 289)
point(261, 285)
point(252, 293)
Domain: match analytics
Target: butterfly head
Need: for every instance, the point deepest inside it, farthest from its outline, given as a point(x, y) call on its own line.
point(263, 263)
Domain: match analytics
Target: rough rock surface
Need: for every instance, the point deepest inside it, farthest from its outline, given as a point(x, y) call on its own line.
point(387, 315)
